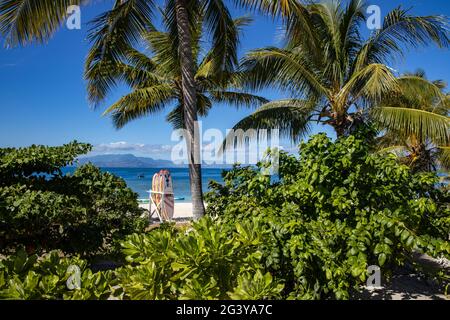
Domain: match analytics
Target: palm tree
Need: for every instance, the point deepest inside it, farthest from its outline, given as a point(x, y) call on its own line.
point(25, 21)
point(333, 73)
point(416, 123)
point(157, 81)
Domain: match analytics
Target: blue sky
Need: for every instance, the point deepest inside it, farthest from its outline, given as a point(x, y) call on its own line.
point(43, 96)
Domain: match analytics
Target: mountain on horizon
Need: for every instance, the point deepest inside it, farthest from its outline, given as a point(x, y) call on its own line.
point(131, 161)
point(125, 161)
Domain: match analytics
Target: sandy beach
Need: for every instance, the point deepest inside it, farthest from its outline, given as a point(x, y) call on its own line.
point(183, 210)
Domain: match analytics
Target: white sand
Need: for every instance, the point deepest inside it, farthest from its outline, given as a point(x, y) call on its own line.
point(183, 210)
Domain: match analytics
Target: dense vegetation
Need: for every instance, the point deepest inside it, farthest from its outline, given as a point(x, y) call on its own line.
point(334, 71)
point(336, 209)
point(42, 208)
point(209, 261)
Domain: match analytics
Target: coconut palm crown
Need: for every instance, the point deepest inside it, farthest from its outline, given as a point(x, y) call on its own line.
point(332, 72)
point(423, 104)
point(153, 75)
point(26, 21)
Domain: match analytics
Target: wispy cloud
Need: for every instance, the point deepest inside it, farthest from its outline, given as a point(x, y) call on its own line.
point(164, 151)
point(8, 65)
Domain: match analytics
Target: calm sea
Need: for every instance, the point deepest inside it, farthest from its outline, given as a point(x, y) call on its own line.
point(180, 176)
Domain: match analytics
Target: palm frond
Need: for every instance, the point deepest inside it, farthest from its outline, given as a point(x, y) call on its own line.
point(165, 53)
point(329, 15)
point(222, 57)
point(25, 21)
point(444, 157)
point(122, 26)
point(399, 31)
point(291, 117)
point(176, 116)
point(420, 123)
point(351, 39)
point(238, 99)
point(284, 68)
point(224, 33)
point(105, 75)
point(420, 92)
point(140, 60)
point(397, 150)
point(204, 104)
point(139, 103)
point(112, 35)
point(370, 83)
point(283, 8)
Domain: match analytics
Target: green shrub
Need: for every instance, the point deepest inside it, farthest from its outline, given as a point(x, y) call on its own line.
point(41, 208)
point(209, 261)
point(337, 209)
point(46, 277)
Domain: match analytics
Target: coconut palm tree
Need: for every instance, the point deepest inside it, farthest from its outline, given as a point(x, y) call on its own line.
point(416, 123)
point(25, 21)
point(156, 81)
point(333, 73)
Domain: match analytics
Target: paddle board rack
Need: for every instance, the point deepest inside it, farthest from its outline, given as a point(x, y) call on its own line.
point(143, 201)
point(161, 196)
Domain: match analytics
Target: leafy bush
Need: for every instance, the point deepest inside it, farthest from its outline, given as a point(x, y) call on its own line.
point(337, 209)
point(208, 261)
point(46, 277)
point(42, 208)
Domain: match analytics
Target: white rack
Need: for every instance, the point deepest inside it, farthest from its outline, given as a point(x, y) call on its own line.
point(158, 208)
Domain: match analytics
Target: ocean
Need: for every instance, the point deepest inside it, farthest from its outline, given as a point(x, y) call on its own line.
point(180, 178)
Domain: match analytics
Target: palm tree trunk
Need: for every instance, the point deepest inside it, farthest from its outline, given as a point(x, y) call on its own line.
point(340, 123)
point(337, 125)
point(190, 107)
point(340, 131)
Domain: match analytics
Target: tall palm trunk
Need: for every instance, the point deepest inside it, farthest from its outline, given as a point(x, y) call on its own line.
point(190, 107)
point(338, 122)
point(340, 130)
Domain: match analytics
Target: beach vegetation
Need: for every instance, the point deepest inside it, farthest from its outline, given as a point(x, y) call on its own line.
point(369, 198)
point(126, 24)
point(42, 208)
point(336, 209)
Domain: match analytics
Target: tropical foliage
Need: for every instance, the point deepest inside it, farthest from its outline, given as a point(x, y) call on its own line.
point(29, 277)
point(337, 209)
point(417, 123)
point(209, 262)
point(26, 21)
point(156, 81)
point(333, 73)
point(42, 208)
point(116, 30)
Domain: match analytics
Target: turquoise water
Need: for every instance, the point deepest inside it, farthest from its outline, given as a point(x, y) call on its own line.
point(180, 177)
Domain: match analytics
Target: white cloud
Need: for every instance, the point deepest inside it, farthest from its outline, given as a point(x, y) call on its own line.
point(164, 151)
point(156, 151)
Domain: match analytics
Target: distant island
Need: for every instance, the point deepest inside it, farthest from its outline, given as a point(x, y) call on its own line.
point(132, 161)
